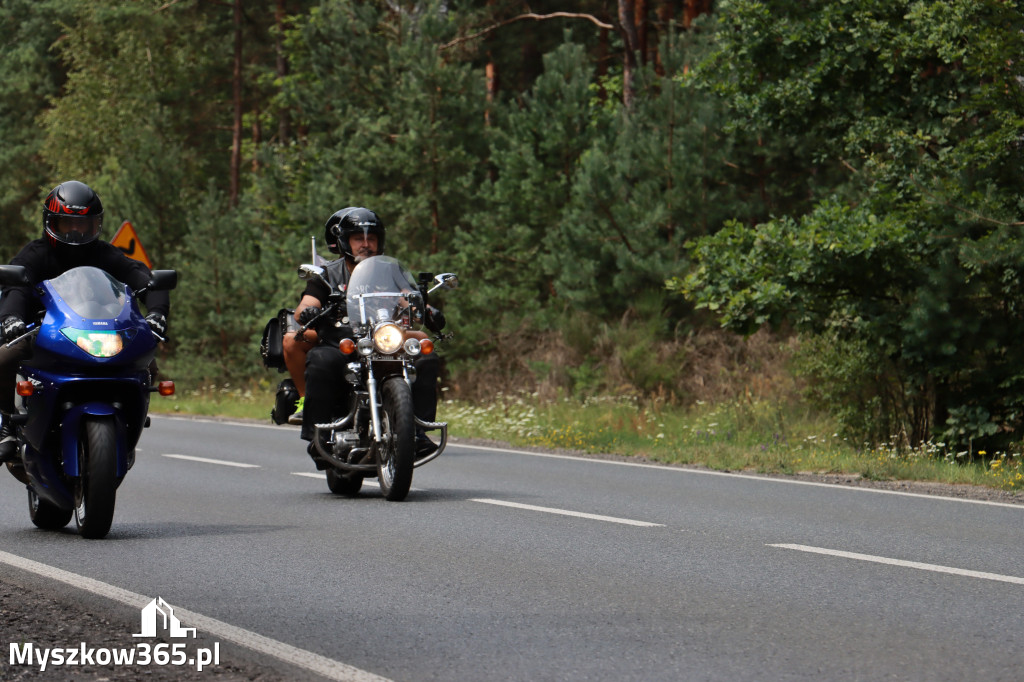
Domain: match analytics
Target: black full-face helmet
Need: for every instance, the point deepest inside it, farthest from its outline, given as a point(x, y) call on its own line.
point(72, 214)
point(349, 221)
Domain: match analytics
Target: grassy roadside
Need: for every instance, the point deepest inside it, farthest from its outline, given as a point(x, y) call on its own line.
point(755, 436)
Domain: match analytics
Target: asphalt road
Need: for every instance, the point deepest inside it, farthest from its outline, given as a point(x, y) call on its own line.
point(506, 565)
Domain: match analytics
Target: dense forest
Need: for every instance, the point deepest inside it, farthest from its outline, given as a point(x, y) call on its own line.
point(611, 180)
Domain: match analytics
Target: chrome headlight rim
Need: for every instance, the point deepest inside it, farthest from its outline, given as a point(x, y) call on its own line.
point(412, 346)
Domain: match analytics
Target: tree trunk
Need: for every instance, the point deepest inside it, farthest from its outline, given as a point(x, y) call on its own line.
point(236, 127)
point(284, 125)
point(491, 71)
point(666, 15)
point(640, 21)
point(627, 14)
point(693, 9)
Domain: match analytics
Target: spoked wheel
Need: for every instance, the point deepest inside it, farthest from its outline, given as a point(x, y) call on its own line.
point(397, 447)
point(344, 484)
point(97, 481)
point(46, 515)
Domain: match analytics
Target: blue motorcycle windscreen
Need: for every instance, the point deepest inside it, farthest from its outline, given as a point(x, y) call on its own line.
point(91, 293)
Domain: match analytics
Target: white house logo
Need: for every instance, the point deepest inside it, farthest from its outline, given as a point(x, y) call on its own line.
point(158, 617)
point(158, 621)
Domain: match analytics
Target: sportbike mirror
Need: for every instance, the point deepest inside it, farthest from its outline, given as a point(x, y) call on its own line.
point(14, 275)
point(163, 280)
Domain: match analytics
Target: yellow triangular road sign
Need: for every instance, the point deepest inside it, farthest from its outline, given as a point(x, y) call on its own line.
point(126, 240)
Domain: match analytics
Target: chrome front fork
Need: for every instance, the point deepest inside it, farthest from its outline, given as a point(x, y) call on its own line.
point(371, 386)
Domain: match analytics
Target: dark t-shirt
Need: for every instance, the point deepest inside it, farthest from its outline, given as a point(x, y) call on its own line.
point(333, 330)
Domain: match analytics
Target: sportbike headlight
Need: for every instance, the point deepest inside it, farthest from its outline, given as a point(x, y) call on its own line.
point(388, 339)
point(97, 343)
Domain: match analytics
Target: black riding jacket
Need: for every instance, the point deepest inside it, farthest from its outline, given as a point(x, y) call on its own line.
point(43, 261)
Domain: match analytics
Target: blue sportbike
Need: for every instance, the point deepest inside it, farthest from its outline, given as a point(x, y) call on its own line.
point(83, 394)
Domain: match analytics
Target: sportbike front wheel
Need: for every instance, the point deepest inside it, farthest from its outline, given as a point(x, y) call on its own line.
point(396, 450)
point(97, 481)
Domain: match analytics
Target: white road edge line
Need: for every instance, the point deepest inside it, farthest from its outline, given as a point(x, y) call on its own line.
point(709, 472)
point(906, 564)
point(565, 512)
point(222, 462)
point(321, 665)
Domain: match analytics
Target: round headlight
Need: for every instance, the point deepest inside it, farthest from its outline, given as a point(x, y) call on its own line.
point(388, 338)
point(365, 346)
point(412, 346)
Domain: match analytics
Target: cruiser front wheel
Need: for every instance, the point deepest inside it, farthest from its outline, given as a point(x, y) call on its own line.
point(396, 451)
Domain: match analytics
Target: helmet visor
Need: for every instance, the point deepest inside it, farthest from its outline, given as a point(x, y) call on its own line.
point(75, 229)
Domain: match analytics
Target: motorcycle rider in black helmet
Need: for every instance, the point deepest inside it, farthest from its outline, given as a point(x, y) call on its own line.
point(72, 222)
point(356, 234)
point(296, 349)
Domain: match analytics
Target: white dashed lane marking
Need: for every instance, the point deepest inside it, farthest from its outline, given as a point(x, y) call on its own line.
point(905, 564)
point(222, 462)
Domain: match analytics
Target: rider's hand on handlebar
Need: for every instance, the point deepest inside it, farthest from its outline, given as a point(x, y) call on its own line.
point(308, 313)
point(157, 323)
point(13, 327)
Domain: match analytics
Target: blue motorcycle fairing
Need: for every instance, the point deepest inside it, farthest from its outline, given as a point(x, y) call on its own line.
point(48, 406)
point(71, 431)
point(47, 481)
point(51, 343)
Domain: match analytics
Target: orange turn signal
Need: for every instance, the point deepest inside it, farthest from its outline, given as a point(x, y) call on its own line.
point(25, 388)
point(347, 346)
point(426, 346)
point(165, 388)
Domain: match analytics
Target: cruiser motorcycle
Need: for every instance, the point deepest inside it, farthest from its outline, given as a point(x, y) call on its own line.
point(382, 305)
point(83, 395)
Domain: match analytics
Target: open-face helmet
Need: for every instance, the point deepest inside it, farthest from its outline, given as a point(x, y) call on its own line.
point(350, 221)
point(330, 236)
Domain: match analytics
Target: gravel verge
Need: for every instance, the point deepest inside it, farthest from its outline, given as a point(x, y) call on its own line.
point(29, 613)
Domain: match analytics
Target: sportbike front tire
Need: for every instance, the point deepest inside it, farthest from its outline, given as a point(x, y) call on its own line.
point(397, 449)
point(96, 490)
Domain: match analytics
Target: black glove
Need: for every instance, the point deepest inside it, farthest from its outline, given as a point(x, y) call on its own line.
point(158, 324)
point(307, 314)
point(435, 319)
point(13, 327)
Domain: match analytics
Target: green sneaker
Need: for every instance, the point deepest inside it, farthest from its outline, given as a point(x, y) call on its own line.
point(296, 418)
